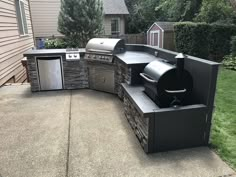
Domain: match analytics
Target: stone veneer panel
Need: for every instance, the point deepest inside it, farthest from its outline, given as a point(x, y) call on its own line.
point(75, 74)
point(33, 74)
point(139, 124)
point(122, 75)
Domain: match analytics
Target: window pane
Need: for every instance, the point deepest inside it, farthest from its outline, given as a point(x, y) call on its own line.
point(115, 26)
point(24, 17)
point(19, 20)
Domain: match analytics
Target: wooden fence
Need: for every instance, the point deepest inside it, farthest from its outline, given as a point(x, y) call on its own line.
point(140, 38)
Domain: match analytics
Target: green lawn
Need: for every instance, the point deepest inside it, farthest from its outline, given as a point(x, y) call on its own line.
point(223, 137)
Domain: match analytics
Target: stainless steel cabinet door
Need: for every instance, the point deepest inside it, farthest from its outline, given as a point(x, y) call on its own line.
point(50, 73)
point(102, 79)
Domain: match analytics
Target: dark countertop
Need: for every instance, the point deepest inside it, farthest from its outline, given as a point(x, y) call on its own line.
point(128, 58)
point(142, 102)
point(47, 52)
point(147, 107)
point(135, 57)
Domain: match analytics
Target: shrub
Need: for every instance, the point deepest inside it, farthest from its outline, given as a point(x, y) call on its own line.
point(219, 41)
point(229, 62)
point(209, 41)
point(188, 40)
point(233, 46)
point(55, 43)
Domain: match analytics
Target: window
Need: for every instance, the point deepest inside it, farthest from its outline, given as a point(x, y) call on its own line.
point(21, 18)
point(115, 26)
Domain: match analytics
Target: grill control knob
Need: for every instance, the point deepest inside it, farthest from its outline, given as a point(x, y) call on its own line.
point(75, 56)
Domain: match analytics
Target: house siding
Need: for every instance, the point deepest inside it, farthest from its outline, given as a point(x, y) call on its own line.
point(45, 17)
point(12, 45)
point(107, 24)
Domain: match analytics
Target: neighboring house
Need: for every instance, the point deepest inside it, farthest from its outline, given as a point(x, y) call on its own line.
point(114, 19)
point(161, 34)
point(15, 38)
point(45, 17)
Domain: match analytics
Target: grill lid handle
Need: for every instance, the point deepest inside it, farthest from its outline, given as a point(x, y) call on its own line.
point(176, 91)
point(148, 78)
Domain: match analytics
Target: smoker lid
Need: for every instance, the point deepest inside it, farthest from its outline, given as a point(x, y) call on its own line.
point(106, 45)
point(157, 69)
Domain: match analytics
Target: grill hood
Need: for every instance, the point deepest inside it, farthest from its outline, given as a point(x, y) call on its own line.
point(106, 45)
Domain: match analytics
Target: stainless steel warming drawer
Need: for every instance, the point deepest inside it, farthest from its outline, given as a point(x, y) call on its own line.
point(50, 72)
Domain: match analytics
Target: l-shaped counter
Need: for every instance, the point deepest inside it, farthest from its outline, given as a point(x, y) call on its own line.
point(151, 124)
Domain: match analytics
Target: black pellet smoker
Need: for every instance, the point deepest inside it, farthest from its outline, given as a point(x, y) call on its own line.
point(168, 85)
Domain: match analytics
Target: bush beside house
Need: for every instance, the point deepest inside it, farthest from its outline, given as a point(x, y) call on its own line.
point(57, 43)
point(230, 60)
point(233, 45)
point(209, 41)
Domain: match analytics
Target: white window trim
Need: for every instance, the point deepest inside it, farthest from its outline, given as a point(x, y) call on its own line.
point(119, 27)
point(23, 26)
point(152, 34)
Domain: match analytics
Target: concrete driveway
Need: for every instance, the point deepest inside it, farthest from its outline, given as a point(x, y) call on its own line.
point(84, 133)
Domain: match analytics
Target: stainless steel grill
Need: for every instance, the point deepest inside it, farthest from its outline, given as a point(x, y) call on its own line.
point(103, 49)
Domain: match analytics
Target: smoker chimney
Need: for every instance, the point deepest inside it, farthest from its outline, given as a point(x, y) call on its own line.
point(180, 65)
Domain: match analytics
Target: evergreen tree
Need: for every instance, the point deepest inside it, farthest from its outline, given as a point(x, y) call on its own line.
point(80, 20)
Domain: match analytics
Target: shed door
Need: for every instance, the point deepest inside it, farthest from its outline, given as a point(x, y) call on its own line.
point(155, 38)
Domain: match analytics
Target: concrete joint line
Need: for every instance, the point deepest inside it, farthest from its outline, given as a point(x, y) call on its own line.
point(68, 142)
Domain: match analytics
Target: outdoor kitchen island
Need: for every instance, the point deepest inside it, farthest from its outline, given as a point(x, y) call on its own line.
point(157, 129)
point(75, 73)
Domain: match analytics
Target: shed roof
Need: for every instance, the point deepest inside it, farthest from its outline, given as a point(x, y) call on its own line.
point(166, 26)
point(115, 7)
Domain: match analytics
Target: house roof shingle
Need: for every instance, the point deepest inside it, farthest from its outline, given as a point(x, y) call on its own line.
point(115, 7)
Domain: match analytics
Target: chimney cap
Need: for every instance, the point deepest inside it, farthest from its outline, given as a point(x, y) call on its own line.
point(180, 55)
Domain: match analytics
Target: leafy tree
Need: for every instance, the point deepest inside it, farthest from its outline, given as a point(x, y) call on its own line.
point(178, 10)
point(216, 11)
point(80, 20)
point(142, 14)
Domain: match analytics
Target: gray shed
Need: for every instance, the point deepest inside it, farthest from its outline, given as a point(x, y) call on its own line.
point(161, 34)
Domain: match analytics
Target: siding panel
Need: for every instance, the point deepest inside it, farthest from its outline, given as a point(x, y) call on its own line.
point(45, 17)
point(12, 45)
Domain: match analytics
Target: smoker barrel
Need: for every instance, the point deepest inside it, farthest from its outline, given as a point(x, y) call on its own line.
point(106, 45)
point(166, 84)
